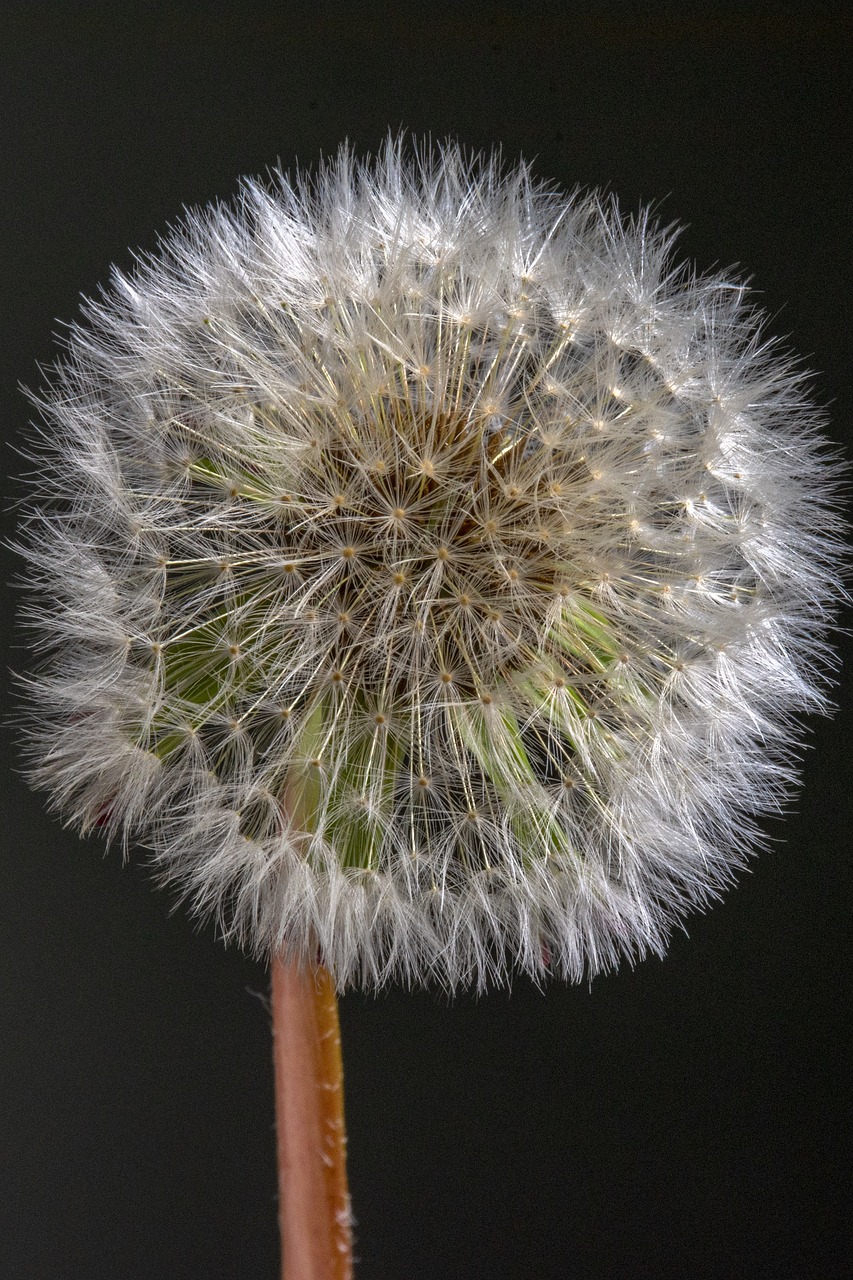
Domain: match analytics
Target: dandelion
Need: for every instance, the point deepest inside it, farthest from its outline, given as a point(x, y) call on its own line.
point(431, 574)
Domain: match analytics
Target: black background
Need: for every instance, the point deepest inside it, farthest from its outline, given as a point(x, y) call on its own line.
point(684, 1119)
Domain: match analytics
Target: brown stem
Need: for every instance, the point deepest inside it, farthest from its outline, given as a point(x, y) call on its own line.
point(314, 1210)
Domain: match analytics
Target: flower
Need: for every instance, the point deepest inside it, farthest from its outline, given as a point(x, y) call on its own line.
point(428, 571)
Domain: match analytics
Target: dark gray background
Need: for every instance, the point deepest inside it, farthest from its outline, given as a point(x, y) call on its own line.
point(684, 1119)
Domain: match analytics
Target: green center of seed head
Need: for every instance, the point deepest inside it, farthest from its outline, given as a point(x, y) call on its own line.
point(455, 581)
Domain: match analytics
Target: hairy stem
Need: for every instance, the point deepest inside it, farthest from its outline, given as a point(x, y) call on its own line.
point(314, 1211)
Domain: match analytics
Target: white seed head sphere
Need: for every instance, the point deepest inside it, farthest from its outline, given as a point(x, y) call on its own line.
point(428, 572)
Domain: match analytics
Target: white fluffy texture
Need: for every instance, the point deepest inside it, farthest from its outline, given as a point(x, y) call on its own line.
point(428, 572)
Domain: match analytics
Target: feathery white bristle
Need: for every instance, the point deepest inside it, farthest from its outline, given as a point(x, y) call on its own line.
point(428, 572)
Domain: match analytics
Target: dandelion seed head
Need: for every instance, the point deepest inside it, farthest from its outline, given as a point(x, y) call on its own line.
point(430, 571)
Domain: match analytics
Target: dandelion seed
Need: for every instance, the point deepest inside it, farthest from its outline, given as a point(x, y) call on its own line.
point(423, 435)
